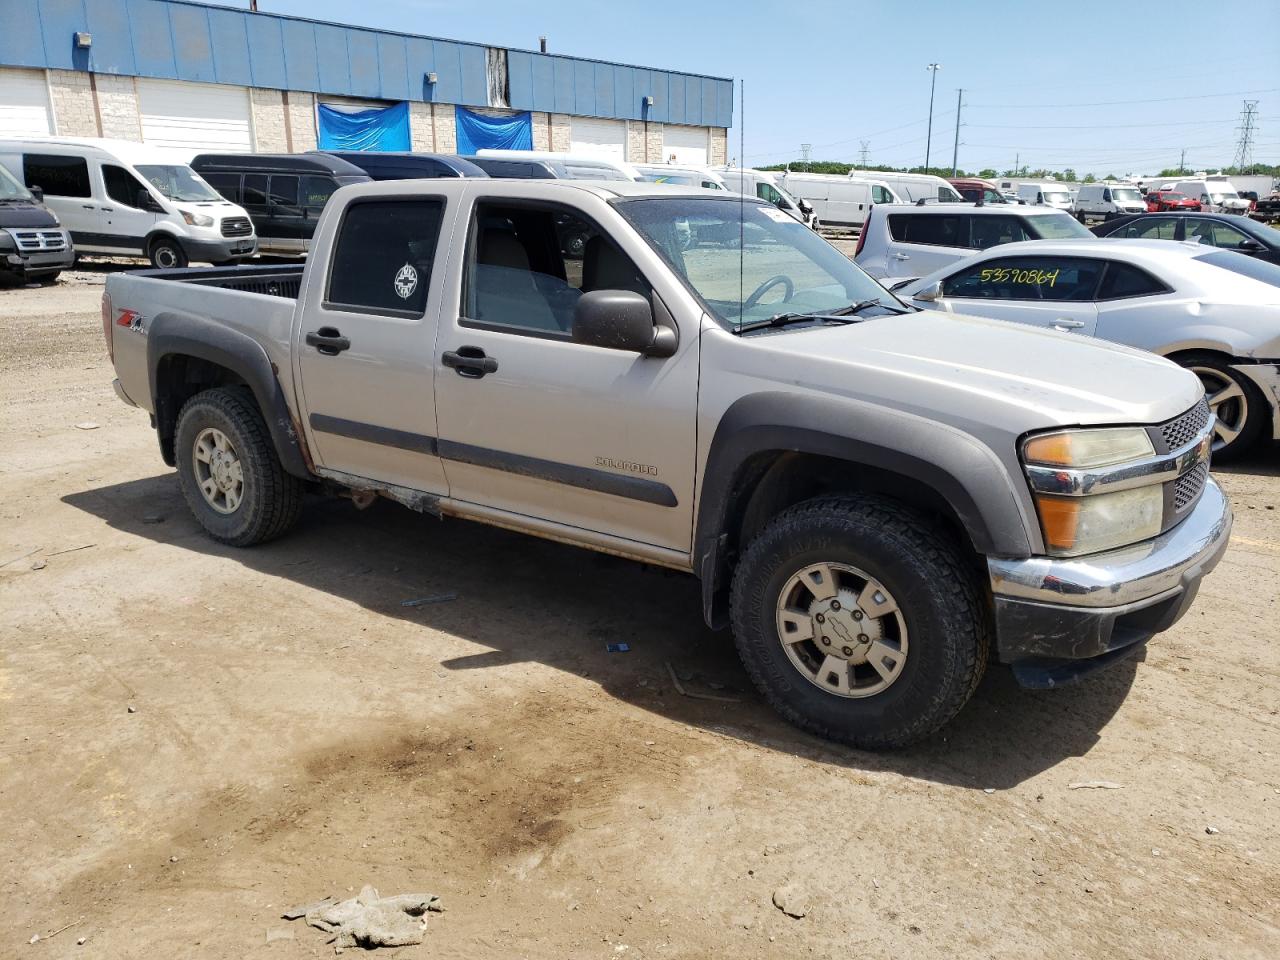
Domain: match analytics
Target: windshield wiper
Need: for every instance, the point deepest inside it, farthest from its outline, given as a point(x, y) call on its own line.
point(784, 319)
point(856, 308)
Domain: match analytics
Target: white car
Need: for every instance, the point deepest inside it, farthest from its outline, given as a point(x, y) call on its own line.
point(1213, 311)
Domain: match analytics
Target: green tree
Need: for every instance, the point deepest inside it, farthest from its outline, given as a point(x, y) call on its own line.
point(1089, 178)
point(986, 173)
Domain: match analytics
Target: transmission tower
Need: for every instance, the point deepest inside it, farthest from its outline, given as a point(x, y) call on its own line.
point(1248, 130)
point(805, 150)
point(864, 152)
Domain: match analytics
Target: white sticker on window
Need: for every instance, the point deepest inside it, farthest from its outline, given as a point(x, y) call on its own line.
point(777, 216)
point(406, 282)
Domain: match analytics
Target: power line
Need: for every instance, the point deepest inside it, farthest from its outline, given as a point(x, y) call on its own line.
point(1108, 103)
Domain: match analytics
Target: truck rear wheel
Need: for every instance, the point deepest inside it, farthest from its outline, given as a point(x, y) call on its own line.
point(859, 622)
point(229, 472)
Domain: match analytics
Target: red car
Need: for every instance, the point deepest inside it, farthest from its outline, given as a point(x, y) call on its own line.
point(1161, 200)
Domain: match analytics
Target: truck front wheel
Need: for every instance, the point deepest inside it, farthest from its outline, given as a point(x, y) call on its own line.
point(228, 470)
point(859, 622)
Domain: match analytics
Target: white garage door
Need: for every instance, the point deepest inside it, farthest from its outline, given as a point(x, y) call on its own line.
point(194, 116)
point(24, 104)
point(688, 145)
point(606, 139)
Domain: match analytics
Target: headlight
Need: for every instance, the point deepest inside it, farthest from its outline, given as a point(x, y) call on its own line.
point(1092, 522)
point(1088, 448)
point(1076, 525)
point(197, 219)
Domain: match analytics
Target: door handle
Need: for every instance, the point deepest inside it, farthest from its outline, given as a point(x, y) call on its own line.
point(88, 206)
point(328, 340)
point(469, 362)
point(1066, 323)
point(108, 209)
point(901, 256)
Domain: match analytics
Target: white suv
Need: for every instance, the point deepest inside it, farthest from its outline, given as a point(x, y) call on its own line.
point(911, 241)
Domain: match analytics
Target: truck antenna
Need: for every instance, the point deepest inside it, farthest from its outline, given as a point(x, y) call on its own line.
point(742, 197)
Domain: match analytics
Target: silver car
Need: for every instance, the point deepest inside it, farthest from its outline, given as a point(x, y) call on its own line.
point(1213, 311)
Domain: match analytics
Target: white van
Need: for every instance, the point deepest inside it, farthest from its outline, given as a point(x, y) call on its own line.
point(1108, 200)
point(678, 175)
point(839, 201)
point(571, 165)
point(768, 186)
point(1045, 195)
point(125, 198)
point(1216, 195)
point(911, 187)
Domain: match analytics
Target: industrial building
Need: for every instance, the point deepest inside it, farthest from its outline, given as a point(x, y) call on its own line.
point(196, 78)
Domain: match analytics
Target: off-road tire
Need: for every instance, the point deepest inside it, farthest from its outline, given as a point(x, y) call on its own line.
point(937, 594)
point(1256, 414)
point(272, 498)
point(166, 253)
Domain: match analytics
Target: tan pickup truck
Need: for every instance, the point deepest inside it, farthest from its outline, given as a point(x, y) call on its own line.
point(877, 499)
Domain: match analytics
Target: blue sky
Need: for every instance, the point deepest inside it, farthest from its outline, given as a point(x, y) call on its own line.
point(1038, 85)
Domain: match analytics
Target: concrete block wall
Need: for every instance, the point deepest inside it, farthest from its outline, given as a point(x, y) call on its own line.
point(422, 136)
point(560, 132)
point(653, 144)
point(118, 106)
point(541, 130)
point(719, 146)
point(74, 113)
point(270, 134)
point(302, 121)
point(635, 142)
point(445, 127)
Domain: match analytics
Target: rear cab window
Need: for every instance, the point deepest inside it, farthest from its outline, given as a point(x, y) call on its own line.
point(1063, 279)
point(1124, 280)
point(383, 255)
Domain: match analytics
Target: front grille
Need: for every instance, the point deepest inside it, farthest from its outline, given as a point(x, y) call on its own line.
point(1186, 489)
point(1180, 431)
point(39, 241)
point(236, 227)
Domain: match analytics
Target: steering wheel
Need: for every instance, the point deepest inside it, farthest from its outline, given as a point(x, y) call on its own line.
point(768, 285)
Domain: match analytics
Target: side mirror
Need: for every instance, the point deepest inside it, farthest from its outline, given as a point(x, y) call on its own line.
point(615, 320)
point(145, 201)
point(38, 193)
point(1252, 246)
point(929, 293)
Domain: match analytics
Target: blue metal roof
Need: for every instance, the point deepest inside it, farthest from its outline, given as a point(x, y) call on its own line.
point(180, 40)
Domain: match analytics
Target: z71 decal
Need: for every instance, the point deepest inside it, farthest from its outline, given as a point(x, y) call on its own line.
point(131, 319)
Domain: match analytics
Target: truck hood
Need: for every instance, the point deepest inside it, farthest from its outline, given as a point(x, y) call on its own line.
point(982, 375)
point(26, 215)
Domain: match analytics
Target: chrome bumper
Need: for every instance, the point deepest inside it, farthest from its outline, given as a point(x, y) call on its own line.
point(1051, 614)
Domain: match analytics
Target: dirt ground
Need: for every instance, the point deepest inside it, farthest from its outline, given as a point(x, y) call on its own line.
point(194, 737)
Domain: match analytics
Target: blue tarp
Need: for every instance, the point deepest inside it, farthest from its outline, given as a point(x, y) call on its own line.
point(478, 132)
point(375, 129)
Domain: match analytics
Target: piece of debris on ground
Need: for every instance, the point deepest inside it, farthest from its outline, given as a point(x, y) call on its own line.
point(369, 920)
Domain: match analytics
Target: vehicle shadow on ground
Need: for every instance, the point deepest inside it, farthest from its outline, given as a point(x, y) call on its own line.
point(527, 599)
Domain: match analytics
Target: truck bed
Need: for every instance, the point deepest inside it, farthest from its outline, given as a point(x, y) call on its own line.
point(274, 280)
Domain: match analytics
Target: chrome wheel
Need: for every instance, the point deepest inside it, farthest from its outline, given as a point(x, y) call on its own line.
point(217, 468)
point(842, 630)
point(1228, 402)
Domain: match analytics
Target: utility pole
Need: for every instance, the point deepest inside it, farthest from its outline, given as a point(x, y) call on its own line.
point(955, 151)
point(1016, 158)
point(863, 152)
point(1244, 150)
point(1182, 161)
point(933, 69)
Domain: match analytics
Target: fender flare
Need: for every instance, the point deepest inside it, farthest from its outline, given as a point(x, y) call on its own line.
point(961, 470)
point(173, 333)
point(158, 232)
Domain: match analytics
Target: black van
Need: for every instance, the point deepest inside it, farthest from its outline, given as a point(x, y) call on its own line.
point(33, 246)
point(283, 193)
point(408, 166)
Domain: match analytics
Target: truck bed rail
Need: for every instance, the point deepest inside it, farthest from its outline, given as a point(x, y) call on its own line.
point(280, 280)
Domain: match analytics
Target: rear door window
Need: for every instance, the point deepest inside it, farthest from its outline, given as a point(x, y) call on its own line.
point(383, 256)
point(57, 176)
point(930, 230)
point(227, 184)
point(992, 231)
point(255, 190)
point(316, 192)
point(1064, 279)
point(1149, 228)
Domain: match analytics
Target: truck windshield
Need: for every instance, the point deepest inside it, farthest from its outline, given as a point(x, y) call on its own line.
point(11, 189)
point(1056, 196)
point(1127, 195)
point(178, 182)
point(747, 261)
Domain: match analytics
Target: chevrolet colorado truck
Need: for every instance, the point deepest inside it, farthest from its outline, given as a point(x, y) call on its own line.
point(877, 499)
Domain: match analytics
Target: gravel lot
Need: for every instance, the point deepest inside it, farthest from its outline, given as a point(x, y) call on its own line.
point(193, 738)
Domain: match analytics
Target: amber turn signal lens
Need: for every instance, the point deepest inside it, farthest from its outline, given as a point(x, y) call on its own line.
point(1059, 518)
point(1054, 448)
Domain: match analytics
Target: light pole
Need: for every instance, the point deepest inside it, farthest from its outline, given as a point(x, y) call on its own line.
point(933, 69)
